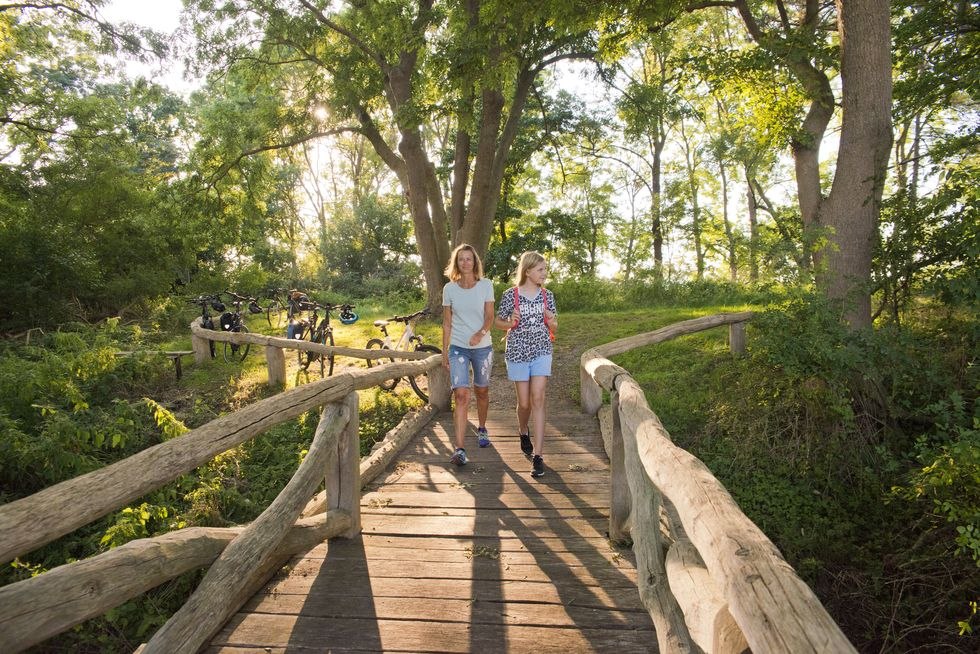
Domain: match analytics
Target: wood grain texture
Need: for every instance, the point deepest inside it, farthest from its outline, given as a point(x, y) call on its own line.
point(478, 558)
point(231, 579)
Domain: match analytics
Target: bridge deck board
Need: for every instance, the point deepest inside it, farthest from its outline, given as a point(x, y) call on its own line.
point(480, 558)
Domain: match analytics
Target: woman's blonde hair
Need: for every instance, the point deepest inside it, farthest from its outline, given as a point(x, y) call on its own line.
point(527, 261)
point(452, 269)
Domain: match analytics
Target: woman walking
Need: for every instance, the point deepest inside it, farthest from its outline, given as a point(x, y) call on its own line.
point(467, 314)
point(529, 313)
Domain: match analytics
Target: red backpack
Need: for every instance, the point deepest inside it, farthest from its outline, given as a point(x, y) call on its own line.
point(517, 306)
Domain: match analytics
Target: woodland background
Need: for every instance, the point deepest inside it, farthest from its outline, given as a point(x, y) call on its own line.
point(815, 161)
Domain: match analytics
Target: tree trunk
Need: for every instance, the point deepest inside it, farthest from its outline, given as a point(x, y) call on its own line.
point(729, 233)
point(753, 208)
point(853, 207)
point(695, 205)
point(656, 205)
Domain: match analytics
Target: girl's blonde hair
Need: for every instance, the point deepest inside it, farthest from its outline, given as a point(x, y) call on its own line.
point(527, 261)
point(452, 269)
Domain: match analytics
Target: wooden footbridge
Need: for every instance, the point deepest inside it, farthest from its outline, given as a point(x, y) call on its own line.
point(403, 552)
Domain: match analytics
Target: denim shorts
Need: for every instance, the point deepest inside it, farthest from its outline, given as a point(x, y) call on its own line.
point(462, 359)
point(520, 371)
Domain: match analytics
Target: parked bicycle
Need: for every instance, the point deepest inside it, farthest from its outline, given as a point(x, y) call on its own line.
point(409, 340)
point(319, 330)
point(233, 321)
point(207, 303)
point(279, 301)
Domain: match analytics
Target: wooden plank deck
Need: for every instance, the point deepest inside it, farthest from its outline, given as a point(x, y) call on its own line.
point(482, 558)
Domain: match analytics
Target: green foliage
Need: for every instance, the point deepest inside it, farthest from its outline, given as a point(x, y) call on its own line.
point(366, 252)
point(949, 478)
point(583, 295)
point(71, 405)
point(381, 411)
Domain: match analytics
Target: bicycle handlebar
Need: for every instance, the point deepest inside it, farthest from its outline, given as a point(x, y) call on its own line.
point(201, 300)
point(410, 317)
point(313, 305)
point(239, 299)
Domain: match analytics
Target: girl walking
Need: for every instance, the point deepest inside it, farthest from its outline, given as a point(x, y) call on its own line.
point(529, 313)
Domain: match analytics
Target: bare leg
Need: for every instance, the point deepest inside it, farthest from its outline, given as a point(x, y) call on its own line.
point(482, 403)
point(537, 387)
point(523, 405)
point(461, 414)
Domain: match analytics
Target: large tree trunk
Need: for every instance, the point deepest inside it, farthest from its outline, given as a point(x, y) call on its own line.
point(853, 207)
point(656, 204)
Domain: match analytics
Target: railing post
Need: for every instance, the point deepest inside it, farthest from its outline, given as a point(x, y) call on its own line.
point(591, 392)
point(343, 480)
point(620, 500)
point(275, 360)
point(202, 351)
point(736, 338)
point(439, 392)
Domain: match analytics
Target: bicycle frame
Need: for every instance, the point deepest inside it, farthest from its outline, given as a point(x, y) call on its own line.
point(405, 340)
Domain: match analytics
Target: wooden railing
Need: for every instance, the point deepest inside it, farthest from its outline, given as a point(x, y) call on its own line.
point(722, 586)
point(241, 559)
point(275, 347)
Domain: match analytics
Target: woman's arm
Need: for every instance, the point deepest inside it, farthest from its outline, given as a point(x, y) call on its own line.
point(487, 323)
point(447, 330)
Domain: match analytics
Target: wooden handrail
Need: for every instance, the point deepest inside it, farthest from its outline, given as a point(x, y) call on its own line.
point(35, 609)
point(64, 507)
point(241, 567)
point(198, 332)
point(761, 596)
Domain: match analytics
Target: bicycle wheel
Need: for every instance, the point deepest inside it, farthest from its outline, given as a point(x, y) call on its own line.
point(274, 315)
point(378, 344)
point(420, 383)
point(233, 352)
point(209, 324)
point(323, 337)
point(301, 357)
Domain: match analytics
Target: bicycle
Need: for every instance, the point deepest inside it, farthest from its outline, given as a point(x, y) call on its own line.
point(403, 344)
point(232, 321)
point(320, 331)
point(208, 302)
point(280, 301)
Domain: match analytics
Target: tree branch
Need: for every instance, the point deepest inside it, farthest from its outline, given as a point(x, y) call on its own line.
point(347, 34)
point(225, 168)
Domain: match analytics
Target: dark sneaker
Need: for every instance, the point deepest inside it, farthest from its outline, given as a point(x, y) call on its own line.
point(482, 437)
point(526, 445)
point(537, 464)
point(459, 457)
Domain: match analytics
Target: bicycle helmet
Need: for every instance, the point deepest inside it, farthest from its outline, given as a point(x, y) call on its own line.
point(217, 305)
point(253, 307)
point(348, 317)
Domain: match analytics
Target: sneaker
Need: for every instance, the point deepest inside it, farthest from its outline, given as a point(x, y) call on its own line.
point(537, 464)
point(459, 457)
point(482, 437)
point(526, 445)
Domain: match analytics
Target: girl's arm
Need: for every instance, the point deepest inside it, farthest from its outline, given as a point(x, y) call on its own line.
point(550, 317)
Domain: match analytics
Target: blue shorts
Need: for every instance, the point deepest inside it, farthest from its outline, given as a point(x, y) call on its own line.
point(462, 359)
point(523, 371)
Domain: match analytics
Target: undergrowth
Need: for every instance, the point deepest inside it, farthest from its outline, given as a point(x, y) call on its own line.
point(857, 453)
point(70, 405)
